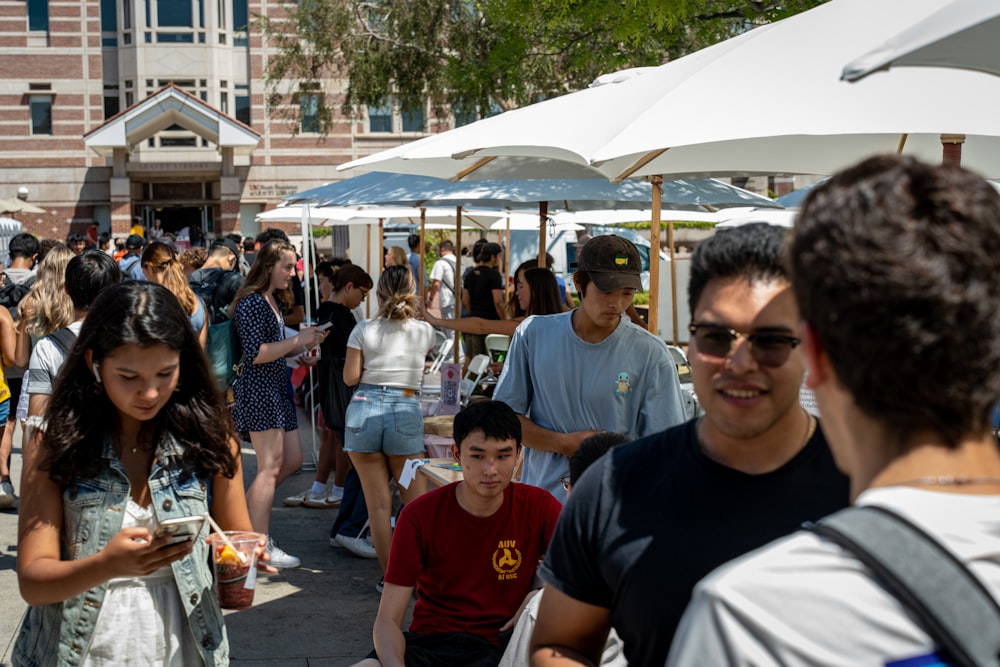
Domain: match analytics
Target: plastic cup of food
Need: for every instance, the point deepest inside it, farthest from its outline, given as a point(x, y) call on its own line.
point(235, 576)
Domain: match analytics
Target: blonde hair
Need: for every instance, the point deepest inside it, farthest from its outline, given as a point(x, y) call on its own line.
point(52, 305)
point(258, 280)
point(399, 257)
point(160, 262)
point(395, 294)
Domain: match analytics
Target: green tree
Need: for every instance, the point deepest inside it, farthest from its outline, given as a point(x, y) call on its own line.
point(477, 57)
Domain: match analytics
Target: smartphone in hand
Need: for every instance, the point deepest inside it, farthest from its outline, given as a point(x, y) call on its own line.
point(182, 529)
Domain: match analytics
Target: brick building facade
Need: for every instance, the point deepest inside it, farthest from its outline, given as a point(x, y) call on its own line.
point(118, 110)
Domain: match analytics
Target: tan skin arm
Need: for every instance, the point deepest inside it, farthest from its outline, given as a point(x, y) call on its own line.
point(387, 633)
point(353, 366)
point(203, 334)
point(568, 632)
point(22, 350)
point(498, 303)
point(539, 437)
point(633, 315)
point(289, 347)
point(474, 325)
point(8, 337)
point(38, 404)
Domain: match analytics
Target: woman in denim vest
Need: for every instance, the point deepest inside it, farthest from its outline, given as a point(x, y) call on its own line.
point(137, 433)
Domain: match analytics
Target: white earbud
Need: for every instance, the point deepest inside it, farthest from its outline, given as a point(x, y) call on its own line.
point(97, 373)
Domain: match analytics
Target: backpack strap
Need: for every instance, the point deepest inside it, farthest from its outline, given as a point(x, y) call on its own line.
point(949, 602)
point(63, 339)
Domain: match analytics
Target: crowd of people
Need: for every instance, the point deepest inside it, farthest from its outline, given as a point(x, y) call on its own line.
point(595, 523)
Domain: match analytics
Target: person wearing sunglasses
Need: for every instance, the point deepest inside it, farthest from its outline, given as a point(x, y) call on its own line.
point(651, 518)
point(895, 271)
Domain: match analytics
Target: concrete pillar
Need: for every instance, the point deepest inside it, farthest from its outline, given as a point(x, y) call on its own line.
point(951, 148)
point(121, 206)
point(229, 200)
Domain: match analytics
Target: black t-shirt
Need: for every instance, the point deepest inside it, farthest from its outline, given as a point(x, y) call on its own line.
point(646, 522)
point(481, 282)
point(342, 321)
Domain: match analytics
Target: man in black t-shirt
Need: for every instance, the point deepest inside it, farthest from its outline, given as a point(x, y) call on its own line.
point(651, 518)
point(482, 295)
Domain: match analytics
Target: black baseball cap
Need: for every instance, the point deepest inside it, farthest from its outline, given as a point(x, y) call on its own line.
point(612, 262)
point(134, 241)
point(228, 244)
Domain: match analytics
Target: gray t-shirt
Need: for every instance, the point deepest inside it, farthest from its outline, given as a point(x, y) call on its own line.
point(625, 384)
point(46, 362)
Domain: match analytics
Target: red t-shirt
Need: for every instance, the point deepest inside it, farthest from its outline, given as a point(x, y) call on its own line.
point(471, 573)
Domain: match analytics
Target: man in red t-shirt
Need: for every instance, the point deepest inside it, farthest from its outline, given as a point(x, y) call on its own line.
point(471, 549)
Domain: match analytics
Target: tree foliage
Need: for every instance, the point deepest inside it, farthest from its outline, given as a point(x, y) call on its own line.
point(477, 57)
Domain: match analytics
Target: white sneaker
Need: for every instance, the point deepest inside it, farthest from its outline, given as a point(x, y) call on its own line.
point(322, 501)
point(307, 499)
point(361, 547)
point(279, 558)
point(6, 495)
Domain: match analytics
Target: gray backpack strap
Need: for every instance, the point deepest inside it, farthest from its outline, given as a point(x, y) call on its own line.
point(950, 603)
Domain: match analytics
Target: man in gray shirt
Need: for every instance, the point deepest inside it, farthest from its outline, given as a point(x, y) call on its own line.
point(571, 375)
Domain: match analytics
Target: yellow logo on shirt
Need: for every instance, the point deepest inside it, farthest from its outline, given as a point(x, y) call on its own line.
point(507, 560)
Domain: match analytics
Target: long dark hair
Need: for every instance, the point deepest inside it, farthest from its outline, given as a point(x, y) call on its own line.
point(80, 412)
point(545, 297)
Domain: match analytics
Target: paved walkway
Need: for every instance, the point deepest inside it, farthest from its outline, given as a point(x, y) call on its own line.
point(319, 614)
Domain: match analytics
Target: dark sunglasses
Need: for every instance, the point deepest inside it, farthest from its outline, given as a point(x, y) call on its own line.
point(767, 349)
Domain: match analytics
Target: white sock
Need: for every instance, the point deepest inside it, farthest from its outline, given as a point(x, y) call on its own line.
point(317, 488)
point(337, 491)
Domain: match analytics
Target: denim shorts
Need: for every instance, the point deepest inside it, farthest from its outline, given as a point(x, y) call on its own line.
point(4, 411)
point(384, 419)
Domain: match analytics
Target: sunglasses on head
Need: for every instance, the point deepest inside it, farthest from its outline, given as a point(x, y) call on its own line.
point(766, 348)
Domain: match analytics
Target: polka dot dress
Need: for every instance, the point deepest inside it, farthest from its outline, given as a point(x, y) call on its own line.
point(262, 396)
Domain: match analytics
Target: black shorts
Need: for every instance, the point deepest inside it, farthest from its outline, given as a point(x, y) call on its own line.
point(447, 649)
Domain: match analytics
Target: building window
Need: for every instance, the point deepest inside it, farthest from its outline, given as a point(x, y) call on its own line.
point(41, 114)
point(380, 118)
point(38, 15)
point(241, 102)
point(413, 119)
point(240, 22)
point(112, 103)
point(109, 23)
point(310, 98)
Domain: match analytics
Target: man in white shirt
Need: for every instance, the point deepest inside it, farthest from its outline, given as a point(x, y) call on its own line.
point(894, 267)
point(443, 280)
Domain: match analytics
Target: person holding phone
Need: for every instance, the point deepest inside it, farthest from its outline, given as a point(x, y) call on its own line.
point(137, 436)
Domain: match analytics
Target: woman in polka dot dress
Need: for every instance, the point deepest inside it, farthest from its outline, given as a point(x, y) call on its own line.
point(263, 406)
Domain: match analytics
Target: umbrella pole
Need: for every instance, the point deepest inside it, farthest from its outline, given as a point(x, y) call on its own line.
point(368, 262)
point(307, 296)
point(381, 244)
point(458, 273)
point(423, 271)
point(543, 214)
point(653, 313)
point(506, 257)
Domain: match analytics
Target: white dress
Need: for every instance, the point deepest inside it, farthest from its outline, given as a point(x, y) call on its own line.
point(142, 620)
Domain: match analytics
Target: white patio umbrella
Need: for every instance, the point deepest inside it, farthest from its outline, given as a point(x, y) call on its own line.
point(707, 114)
point(964, 34)
point(547, 194)
point(13, 205)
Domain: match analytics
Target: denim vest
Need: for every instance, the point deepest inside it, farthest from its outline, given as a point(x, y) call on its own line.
point(93, 510)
